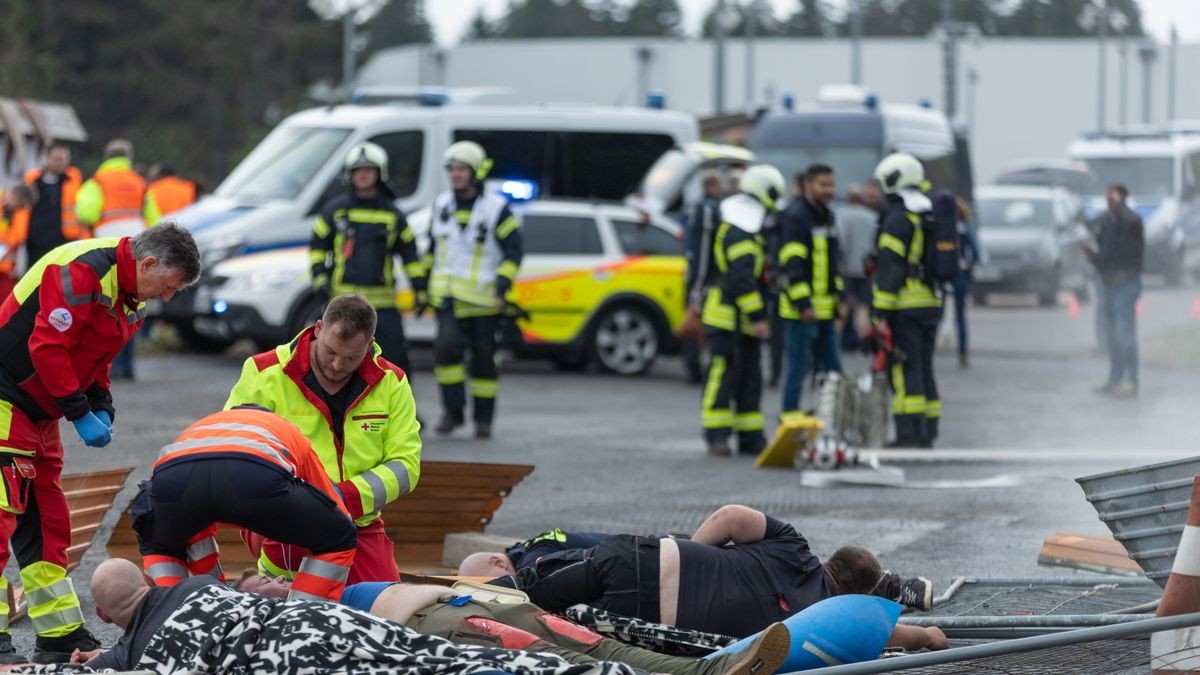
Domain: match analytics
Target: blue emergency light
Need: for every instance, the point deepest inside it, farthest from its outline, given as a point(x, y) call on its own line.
point(220, 307)
point(519, 190)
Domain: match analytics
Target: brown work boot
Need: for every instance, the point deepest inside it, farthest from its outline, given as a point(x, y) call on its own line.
point(719, 449)
point(764, 656)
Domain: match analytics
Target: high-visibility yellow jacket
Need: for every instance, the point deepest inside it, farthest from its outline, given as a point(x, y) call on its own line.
point(376, 457)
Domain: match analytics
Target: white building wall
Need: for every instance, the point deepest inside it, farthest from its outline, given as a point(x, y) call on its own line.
point(1032, 98)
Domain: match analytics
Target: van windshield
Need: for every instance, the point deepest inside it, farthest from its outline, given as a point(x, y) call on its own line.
point(850, 165)
point(282, 164)
point(1146, 177)
point(1010, 212)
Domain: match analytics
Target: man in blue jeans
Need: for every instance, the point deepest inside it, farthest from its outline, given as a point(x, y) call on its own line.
point(809, 257)
point(1118, 260)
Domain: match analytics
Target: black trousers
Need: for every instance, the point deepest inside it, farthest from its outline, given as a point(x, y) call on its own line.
point(455, 337)
point(389, 333)
point(916, 406)
point(184, 498)
point(618, 575)
point(733, 390)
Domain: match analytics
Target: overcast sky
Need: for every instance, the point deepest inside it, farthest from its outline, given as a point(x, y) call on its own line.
point(451, 17)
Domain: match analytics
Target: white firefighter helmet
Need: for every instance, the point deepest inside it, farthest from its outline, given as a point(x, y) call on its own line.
point(367, 154)
point(764, 183)
point(898, 171)
point(470, 153)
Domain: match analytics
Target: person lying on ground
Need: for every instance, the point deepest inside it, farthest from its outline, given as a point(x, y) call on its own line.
point(524, 554)
point(741, 571)
point(439, 611)
point(204, 626)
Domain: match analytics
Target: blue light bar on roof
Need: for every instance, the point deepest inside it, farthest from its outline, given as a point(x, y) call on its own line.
point(519, 190)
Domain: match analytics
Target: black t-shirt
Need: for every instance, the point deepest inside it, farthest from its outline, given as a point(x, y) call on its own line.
point(740, 589)
point(337, 403)
point(151, 613)
point(526, 553)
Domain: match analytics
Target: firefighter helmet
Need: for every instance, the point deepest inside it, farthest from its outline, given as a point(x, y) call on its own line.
point(367, 154)
point(898, 171)
point(471, 154)
point(764, 183)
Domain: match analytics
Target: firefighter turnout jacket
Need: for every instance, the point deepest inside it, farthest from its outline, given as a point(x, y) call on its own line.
point(734, 301)
point(374, 457)
point(809, 258)
point(353, 245)
point(475, 252)
point(65, 321)
point(901, 281)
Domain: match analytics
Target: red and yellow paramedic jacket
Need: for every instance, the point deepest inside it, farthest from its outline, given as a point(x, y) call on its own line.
point(376, 456)
point(68, 317)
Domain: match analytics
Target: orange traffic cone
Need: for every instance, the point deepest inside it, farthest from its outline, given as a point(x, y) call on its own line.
point(1140, 308)
point(1073, 306)
point(1182, 594)
point(1196, 306)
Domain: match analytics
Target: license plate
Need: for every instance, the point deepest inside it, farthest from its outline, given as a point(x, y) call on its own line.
point(987, 274)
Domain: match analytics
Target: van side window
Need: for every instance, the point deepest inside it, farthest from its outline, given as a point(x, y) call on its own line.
point(639, 239)
point(560, 235)
point(518, 155)
point(607, 165)
point(404, 150)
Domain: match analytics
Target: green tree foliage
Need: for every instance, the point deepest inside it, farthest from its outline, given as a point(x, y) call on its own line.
point(1024, 18)
point(737, 19)
point(554, 18)
point(811, 19)
point(400, 22)
point(187, 82)
point(660, 18)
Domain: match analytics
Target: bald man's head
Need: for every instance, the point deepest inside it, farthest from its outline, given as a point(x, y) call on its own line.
point(486, 564)
point(117, 587)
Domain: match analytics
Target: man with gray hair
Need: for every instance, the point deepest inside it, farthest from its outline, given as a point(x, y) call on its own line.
point(59, 329)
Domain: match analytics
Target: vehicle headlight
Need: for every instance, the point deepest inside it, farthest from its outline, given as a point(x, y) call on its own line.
point(221, 250)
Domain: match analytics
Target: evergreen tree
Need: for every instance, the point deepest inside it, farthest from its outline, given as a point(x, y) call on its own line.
point(400, 22)
point(653, 18)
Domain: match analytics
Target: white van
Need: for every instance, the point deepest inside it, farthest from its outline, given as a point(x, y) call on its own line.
point(1160, 169)
point(271, 198)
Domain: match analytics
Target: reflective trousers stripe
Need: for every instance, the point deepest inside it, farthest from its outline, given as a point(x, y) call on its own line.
point(321, 579)
point(484, 388)
point(53, 605)
point(751, 421)
point(164, 570)
point(453, 374)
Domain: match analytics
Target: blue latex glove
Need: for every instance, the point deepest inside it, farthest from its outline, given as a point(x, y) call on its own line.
point(103, 416)
point(93, 430)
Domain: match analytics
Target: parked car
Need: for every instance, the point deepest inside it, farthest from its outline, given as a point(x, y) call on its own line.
point(600, 285)
point(1064, 173)
point(1031, 241)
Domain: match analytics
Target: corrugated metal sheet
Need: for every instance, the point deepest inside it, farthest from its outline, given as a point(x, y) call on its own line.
point(1146, 508)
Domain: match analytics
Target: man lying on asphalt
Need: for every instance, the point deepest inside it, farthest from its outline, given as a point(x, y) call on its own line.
point(741, 571)
point(524, 554)
point(201, 625)
point(464, 619)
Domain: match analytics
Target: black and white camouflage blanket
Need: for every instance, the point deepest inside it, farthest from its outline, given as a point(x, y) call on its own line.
point(218, 630)
point(648, 634)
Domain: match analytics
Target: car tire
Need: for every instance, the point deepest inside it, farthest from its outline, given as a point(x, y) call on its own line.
point(625, 339)
point(305, 314)
point(201, 344)
point(1048, 296)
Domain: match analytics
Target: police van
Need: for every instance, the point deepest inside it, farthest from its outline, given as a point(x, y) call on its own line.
point(848, 129)
point(271, 197)
point(1160, 168)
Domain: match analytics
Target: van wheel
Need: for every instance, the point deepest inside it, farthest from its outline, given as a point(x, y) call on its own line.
point(625, 340)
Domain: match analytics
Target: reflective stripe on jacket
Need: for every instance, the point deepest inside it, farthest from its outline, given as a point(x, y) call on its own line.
point(376, 458)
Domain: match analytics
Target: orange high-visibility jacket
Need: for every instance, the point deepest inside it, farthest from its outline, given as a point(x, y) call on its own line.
point(72, 180)
point(172, 193)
